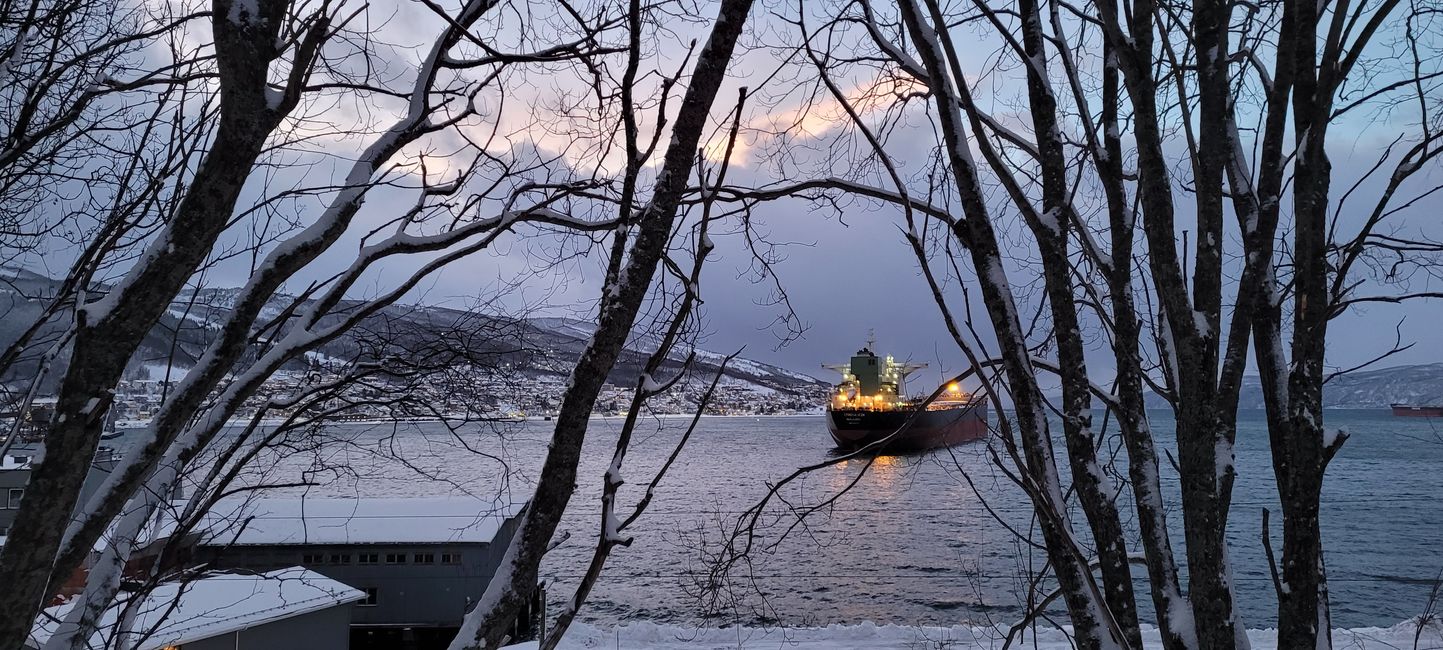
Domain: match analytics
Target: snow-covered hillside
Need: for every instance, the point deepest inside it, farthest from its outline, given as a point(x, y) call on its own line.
point(1374, 388)
point(543, 347)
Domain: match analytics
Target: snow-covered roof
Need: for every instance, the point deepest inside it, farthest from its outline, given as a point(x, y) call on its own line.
point(183, 613)
point(419, 520)
point(14, 462)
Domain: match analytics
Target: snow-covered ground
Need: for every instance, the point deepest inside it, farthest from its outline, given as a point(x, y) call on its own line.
point(868, 636)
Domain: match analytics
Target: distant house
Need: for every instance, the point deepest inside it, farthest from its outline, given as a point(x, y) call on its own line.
point(288, 608)
point(15, 474)
point(420, 562)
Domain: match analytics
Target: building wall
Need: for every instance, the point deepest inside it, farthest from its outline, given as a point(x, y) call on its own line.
point(406, 594)
point(326, 629)
point(10, 478)
point(17, 478)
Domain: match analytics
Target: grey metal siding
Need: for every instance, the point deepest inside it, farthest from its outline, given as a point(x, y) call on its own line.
point(408, 594)
point(326, 629)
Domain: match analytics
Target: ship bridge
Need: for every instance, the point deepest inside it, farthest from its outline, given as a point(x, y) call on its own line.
point(872, 382)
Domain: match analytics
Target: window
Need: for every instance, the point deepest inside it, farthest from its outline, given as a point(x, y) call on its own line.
point(370, 600)
point(368, 558)
point(340, 558)
point(424, 558)
point(15, 494)
point(450, 558)
point(313, 558)
point(395, 558)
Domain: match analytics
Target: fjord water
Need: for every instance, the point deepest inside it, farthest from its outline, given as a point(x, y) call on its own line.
point(918, 539)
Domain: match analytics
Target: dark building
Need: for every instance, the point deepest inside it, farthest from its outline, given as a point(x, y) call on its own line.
point(421, 562)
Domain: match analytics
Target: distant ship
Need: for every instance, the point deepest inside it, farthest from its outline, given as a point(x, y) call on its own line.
point(1409, 411)
point(870, 404)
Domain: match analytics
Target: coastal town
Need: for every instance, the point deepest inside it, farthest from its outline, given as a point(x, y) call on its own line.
point(487, 395)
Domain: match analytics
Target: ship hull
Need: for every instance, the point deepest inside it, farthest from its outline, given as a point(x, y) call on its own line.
point(1404, 410)
point(853, 429)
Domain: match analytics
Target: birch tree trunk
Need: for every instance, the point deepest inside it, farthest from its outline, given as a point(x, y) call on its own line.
point(1094, 625)
point(108, 331)
point(1051, 229)
point(280, 265)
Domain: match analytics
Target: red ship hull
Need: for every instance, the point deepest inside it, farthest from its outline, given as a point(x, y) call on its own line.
point(1404, 410)
point(854, 429)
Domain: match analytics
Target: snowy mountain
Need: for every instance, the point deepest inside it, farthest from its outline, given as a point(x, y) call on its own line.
point(1417, 384)
point(1420, 384)
point(525, 347)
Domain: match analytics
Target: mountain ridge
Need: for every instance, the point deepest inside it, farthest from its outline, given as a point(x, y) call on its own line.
point(525, 346)
point(1413, 384)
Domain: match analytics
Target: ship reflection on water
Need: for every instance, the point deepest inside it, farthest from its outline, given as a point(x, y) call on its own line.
point(884, 475)
point(902, 532)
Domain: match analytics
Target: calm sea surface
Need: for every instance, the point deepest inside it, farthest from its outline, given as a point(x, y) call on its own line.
point(918, 539)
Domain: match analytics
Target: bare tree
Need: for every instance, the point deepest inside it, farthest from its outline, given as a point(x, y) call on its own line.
point(448, 218)
point(107, 331)
point(1323, 60)
point(633, 261)
point(1065, 89)
point(612, 529)
point(1086, 124)
point(262, 115)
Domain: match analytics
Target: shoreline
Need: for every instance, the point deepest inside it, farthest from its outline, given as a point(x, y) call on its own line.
point(135, 425)
point(238, 422)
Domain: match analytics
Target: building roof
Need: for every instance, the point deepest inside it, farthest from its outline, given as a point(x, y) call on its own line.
point(14, 462)
point(422, 520)
point(181, 613)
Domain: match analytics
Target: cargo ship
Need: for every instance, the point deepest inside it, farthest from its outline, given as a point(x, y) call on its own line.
point(871, 404)
point(1409, 411)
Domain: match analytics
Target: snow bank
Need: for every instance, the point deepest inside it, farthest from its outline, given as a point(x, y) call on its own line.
point(870, 636)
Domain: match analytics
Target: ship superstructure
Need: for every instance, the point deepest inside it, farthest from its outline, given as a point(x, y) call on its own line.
point(872, 383)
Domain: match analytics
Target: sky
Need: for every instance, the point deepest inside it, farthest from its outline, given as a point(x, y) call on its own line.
point(847, 274)
point(850, 274)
